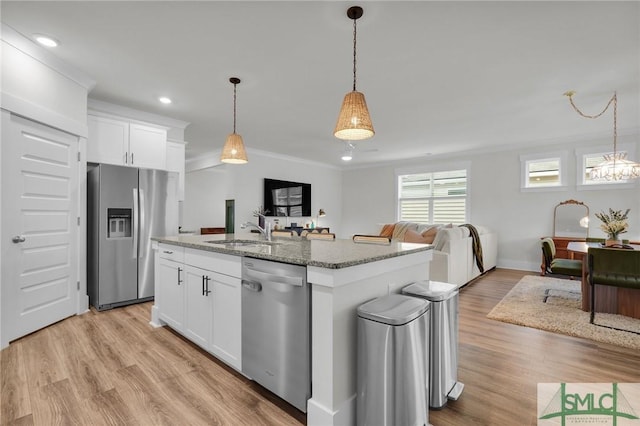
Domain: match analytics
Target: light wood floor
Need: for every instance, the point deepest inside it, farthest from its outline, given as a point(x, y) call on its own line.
point(113, 368)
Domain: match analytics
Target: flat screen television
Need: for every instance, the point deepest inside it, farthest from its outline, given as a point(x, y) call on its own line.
point(284, 198)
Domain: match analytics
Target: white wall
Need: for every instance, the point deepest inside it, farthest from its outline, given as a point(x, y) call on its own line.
point(33, 80)
point(206, 191)
point(496, 200)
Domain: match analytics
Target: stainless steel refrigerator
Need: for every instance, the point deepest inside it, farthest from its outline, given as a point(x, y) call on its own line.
point(125, 208)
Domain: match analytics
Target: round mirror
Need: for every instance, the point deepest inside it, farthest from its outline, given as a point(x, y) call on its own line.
point(571, 219)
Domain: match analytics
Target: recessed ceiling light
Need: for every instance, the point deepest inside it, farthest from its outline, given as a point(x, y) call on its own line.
point(45, 40)
point(347, 154)
point(164, 100)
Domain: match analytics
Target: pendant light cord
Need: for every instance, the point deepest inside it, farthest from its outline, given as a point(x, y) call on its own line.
point(234, 108)
point(354, 54)
point(614, 100)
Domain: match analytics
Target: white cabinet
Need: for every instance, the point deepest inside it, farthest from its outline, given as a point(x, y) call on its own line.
point(226, 334)
point(108, 140)
point(205, 306)
point(120, 142)
point(175, 163)
point(169, 296)
point(198, 302)
point(147, 147)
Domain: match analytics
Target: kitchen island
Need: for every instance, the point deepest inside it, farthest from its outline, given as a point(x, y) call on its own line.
point(342, 275)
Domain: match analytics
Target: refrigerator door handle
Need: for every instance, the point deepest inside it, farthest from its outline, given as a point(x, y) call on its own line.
point(142, 221)
point(135, 223)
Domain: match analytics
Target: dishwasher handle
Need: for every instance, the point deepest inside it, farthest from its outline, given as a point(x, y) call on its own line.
point(280, 279)
point(252, 285)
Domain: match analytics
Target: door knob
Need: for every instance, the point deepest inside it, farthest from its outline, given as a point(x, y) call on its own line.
point(18, 239)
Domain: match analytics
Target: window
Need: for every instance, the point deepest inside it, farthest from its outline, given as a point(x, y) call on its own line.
point(437, 197)
point(543, 172)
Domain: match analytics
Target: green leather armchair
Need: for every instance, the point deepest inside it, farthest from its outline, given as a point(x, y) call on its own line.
point(557, 266)
point(612, 267)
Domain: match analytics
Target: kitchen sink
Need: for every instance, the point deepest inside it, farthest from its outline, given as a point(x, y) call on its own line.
point(242, 243)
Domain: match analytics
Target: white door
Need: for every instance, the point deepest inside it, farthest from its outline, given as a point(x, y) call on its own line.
point(39, 226)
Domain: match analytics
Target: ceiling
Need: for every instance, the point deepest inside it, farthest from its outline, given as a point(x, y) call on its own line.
point(439, 77)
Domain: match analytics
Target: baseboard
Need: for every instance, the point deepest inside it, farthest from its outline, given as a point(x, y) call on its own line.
point(319, 415)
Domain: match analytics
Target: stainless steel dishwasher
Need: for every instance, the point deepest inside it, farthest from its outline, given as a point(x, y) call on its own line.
point(276, 346)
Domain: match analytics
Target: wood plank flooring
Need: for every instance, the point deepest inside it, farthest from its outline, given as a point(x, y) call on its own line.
point(112, 368)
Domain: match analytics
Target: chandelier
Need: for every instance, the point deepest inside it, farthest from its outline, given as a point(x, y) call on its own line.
point(615, 166)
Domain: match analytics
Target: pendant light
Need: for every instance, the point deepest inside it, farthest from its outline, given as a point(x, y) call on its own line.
point(233, 151)
point(615, 165)
point(354, 122)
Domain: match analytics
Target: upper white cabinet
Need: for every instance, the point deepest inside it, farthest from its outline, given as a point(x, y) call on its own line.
point(147, 147)
point(175, 163)
point(108, 140)
point(120, 142)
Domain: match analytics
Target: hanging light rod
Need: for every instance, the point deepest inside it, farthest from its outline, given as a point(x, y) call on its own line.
point(354, 121)
point(233, 151)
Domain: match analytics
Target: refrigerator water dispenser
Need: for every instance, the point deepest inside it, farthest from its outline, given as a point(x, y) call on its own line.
point(119, 223)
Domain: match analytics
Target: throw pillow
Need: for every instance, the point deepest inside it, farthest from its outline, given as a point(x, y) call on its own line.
point(412, 236)
point(430, 234)
point(387, 230)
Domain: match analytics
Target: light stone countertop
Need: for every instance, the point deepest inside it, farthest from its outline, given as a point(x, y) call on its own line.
point(331, 254)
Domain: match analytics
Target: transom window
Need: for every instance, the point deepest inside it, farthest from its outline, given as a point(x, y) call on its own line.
point(437, 197)
point(543, 172)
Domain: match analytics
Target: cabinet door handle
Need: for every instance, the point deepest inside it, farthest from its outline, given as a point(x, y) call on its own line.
point(126, 158)
point(132, 158)
point(167, 251)
point(179, 279)
point(207, 291)
point(203, 285)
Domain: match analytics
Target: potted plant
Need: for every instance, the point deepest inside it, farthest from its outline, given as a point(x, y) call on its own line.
point(613, 224)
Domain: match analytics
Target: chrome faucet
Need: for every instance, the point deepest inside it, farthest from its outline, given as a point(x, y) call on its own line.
point(266, 231)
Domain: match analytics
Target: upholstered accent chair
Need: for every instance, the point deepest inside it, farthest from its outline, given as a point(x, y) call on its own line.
point(612, 267)
point(595, 240)
point(551, 265)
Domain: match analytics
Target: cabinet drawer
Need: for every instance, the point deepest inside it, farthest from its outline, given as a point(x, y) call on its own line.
point(222, 263)
point(175, 253)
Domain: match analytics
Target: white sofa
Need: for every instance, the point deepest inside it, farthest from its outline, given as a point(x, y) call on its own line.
point(453, 260)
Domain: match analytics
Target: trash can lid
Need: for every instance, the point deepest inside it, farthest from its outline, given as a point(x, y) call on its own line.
point(434, 291)
point(394, 309)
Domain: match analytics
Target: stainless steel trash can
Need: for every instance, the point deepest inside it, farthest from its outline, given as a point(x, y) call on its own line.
point(393, 339)
point(443, 357)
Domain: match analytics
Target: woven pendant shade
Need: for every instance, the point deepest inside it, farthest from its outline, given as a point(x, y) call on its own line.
point(354, 122)
point(233, 151)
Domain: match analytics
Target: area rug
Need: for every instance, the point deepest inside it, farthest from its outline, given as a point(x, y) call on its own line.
point(561, 314)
